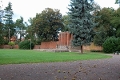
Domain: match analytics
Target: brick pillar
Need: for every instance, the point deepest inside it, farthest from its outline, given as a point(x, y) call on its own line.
point(67, 39)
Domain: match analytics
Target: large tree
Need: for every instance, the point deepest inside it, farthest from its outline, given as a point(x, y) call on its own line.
point(117, 2)
point(46, 25)
point(104, 28)
point(81, 22)
point(115, 22)
point(1, 23)
point(9, 24)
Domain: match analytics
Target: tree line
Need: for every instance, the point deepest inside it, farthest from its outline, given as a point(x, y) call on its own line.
point(86, 20)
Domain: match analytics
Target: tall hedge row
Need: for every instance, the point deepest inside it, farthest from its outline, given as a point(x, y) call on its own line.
point(27, 44)
point(111, 45)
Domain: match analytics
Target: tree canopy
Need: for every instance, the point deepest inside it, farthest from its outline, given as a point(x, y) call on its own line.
point(9, 24)
point(117, 2)
point(104, 28)
point(1, 24)
point(46, 25)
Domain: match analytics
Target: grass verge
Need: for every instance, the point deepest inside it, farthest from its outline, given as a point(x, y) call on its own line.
point(11, 56)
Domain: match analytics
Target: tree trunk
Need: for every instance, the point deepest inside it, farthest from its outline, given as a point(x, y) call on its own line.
point(81, 48)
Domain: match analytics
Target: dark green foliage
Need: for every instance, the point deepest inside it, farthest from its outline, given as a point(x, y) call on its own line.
point(27, 44)
point(96, 50)
point(118, 44)
point(110, 45)
point(1, 40)
point(100, 37)
point(65, 23)
point(46, 25)
point(1, 27)
point(115, 22)
point(1, 34)
point(9, 24)
point(104, 28)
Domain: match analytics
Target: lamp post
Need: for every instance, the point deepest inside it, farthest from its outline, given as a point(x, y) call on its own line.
point(30, 43)
point(9, 35)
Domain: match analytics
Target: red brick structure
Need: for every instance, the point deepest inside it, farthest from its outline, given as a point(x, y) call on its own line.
point(48, 45)
point(64, 42)
point(64, 39)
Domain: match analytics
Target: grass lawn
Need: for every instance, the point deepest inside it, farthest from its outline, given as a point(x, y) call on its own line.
point(11, 56)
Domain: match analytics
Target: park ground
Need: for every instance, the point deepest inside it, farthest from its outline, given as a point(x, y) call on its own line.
point(101, 69)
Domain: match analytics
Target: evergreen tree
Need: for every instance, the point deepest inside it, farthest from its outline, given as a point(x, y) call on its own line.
point(117, 2)
point(81, 22)
point(1, 23)
point(9, 25)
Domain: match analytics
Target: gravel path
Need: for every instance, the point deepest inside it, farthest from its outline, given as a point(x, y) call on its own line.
point(105, 69)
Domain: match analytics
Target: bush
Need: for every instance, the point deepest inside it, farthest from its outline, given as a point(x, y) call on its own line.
point(11, 44)
point(96, 50)
point(26, 45)
point(110, 45)
point(118, 45)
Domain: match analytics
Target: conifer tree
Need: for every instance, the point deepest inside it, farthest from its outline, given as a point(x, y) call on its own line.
point(117, 2)
point(1, 23)
point(9, 24)
point(81, 22)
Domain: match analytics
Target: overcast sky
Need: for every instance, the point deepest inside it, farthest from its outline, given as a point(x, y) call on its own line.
point(29, 8)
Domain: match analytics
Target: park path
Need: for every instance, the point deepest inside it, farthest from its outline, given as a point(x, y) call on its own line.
point(102, 69)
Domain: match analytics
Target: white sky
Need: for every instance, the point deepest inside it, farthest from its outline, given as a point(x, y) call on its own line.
point(29, 8)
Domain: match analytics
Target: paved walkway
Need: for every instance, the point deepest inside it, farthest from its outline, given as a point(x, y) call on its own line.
point(105, 69)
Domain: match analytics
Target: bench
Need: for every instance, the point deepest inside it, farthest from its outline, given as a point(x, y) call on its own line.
point(117, 52)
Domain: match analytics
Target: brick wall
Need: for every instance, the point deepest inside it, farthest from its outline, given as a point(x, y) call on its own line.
point(65, 41)
point(8, 47)
point(48, 45)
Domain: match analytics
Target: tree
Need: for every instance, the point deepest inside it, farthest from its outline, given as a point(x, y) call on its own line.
point(117, 2)
point(116, 22)
point(20, 27)
point(46, 25)
point(1, 24)
point(9, 24)
point(81, 22)
point(104, 28)
point(65, 23)
point(31, 29)
point(1, 33)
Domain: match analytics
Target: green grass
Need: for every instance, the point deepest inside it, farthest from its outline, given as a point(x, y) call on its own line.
point(11, 56)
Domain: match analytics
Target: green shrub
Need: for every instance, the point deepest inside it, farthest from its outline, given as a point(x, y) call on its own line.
point(96, 50)
point(11, 44)
point(110, 45)
point(26, 45)
point(118, 45)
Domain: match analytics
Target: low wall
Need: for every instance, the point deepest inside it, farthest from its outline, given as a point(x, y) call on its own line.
point(92, 47)
point(48, 45)
point(37, 47)
point(53, 45)
point(8, 47)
